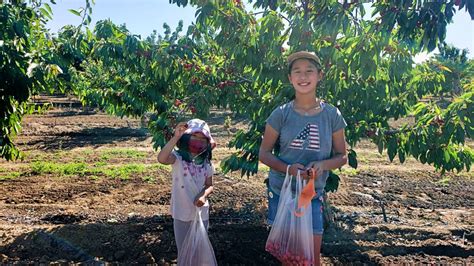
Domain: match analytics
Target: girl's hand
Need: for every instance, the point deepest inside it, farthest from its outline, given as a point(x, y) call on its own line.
point(317, 166)
point(294, 170)
point(179, 129)
point(200, 201)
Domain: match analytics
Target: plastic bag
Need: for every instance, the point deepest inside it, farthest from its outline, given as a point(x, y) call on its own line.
point(291, 237)
point(197, 248)
point(307, 194)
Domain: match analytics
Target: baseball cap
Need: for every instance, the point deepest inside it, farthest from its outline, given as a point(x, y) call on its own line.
point(303, 55)
point(198, 125)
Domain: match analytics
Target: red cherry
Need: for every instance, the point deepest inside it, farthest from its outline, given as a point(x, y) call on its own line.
point(370, 133)
point(221, 85)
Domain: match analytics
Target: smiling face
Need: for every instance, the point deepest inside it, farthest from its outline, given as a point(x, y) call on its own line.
point(304, 76)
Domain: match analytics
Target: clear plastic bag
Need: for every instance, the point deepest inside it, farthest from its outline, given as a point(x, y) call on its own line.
point(197, 249)
point(291, 237)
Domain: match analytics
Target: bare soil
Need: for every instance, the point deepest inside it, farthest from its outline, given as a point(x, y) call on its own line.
point(384, 213)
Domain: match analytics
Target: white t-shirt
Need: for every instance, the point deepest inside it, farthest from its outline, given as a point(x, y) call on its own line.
point(188, 180)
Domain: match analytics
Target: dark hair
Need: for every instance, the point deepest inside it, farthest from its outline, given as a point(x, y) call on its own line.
point(312, 61)
point(183, 149)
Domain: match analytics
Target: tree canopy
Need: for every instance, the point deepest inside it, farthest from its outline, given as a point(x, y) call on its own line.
point(233, 56)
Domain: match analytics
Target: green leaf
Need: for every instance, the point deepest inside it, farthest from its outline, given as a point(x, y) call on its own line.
point(447, 156)
point(46, 5)
point(75, 12)
point(392, 148)
point(380, 145)
point(352, 157)
point(401, 156)
point(45, 13)
point(332, 183)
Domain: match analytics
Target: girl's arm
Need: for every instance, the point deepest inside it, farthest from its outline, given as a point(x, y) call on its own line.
point(165, 156)
point(266, 156)
point(208, 188)
point(339, 157)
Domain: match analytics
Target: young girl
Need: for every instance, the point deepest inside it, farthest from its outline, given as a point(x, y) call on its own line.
point(191, 172)
point(310, 134)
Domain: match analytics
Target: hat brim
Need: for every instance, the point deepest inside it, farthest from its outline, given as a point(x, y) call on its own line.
point(303, 55)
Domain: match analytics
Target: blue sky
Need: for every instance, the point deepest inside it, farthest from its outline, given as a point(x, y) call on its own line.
point(144, 16)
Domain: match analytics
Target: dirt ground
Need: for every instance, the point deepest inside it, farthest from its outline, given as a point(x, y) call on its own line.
point(384, 213)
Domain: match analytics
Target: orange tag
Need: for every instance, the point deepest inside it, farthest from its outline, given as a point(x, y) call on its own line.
point(307, 194)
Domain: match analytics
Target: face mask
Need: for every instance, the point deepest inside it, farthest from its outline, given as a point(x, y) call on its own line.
point(197, 146)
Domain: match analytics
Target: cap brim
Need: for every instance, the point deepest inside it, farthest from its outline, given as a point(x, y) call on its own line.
point(303, 55)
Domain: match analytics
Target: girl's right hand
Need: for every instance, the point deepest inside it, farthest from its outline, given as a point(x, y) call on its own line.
point(179, 129)
point(294, 170)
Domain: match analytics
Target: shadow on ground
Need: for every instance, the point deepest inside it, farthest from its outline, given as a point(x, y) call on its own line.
point(89, 137)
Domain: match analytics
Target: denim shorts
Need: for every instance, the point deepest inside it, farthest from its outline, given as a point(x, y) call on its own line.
point(316, 207)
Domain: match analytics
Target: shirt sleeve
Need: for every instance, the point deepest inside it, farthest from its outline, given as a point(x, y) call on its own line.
point(275, 120)
point(211, 170)
point(337, 121)
point(178, 160)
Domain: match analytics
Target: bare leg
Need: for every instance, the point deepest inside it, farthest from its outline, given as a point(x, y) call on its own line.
point(317, 239)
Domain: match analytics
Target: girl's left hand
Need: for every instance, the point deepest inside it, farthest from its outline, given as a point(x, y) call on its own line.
point(199, 202)
point(317, 166)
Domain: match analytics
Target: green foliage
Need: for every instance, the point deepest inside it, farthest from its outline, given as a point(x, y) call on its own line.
point(332, 183)
point(454, 66)
point(27, 65)
point(219, 62)
point(235, 58)
point(124, 171)
point(365, 62)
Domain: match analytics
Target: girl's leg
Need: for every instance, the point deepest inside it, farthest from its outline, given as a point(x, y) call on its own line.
point(318, 228)
point(180, 230)
point(317, 239)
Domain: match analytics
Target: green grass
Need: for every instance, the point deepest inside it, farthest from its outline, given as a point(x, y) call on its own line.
point(100, 164)
point(347, 171)
point(263, 168)
point(103, 155)
point(66, 169)
point(149, 179)
point(104, 158)
point(97, 170)
point(94, 164)
point(444, 181)
point(9, 175)
point(42, 157)
point(123, 153)
point(159, 166)
point(79, 159)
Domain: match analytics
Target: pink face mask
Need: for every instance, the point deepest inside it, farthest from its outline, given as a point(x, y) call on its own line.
point(197, 146)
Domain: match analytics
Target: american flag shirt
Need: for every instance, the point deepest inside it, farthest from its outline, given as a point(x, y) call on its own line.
point(307, 139)
point(304, 139)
